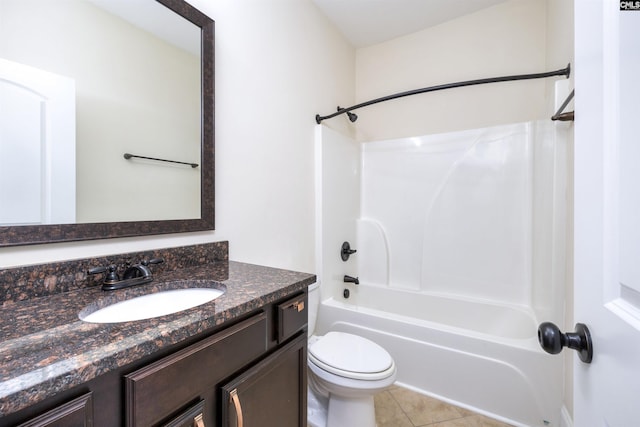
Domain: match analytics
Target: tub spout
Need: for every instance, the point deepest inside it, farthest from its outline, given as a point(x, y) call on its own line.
point(349, 279)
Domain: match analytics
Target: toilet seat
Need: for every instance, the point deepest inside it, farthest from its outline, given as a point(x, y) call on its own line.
point(351, 356)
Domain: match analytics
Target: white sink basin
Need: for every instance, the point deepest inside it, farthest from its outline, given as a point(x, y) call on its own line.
point(151, 305)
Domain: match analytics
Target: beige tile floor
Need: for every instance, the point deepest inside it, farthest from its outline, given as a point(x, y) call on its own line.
point(399, 407)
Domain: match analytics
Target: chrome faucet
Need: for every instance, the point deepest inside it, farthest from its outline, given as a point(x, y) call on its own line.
point(133, 275)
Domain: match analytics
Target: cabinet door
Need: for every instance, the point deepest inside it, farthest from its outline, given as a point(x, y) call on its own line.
point(76, 413)
point(271, 394)
point(158, 390)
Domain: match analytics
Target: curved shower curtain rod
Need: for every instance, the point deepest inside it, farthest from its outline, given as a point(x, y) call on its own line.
point(562, 72)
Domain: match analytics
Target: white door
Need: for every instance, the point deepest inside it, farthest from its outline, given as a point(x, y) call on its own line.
point(607, 212)
point(37, 146)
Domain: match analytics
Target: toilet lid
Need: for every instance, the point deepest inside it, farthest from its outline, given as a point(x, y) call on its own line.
point(351, 356)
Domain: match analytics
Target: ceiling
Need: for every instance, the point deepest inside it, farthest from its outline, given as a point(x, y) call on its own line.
point(368, 22)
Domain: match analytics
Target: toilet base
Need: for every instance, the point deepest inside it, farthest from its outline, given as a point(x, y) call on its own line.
point(351, 412)
point(340, 412)
point(316, 409)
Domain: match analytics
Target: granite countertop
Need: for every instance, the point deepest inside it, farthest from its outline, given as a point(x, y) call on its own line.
point(45, 348)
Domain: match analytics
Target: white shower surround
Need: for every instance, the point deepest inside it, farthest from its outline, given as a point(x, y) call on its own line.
point(460, 256)
point(454, 213)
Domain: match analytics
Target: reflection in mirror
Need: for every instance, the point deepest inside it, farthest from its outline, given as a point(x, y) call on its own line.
point(86, 82)
point(132, 90)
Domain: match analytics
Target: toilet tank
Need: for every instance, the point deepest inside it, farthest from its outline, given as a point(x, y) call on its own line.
point(314, 304)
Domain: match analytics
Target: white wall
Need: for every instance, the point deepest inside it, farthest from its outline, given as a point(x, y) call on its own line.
point(278, 63)
point(506, 39)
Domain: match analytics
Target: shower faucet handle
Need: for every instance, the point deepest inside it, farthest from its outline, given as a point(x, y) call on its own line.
point(346, 251)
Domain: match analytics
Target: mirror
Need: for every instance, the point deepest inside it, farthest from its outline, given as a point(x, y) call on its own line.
point(135, 89)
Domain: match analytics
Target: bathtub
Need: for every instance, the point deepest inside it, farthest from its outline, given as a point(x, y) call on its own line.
point(475, 354)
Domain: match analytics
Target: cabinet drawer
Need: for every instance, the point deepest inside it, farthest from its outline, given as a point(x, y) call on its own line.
point(78, 412)
point(292, 316)
point(163, 387)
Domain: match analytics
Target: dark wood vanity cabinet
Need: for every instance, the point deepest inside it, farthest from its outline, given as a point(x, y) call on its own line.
point(160, 390)
point(249, 374)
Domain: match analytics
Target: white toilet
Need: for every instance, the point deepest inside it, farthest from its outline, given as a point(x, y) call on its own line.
point(345, 371)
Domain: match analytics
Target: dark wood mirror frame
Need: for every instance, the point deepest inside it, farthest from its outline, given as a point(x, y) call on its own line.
point(55, 233)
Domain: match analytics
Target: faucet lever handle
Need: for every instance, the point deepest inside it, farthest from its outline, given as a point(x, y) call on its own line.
point(97, 270)
point(153, 261)
point(111, 275)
